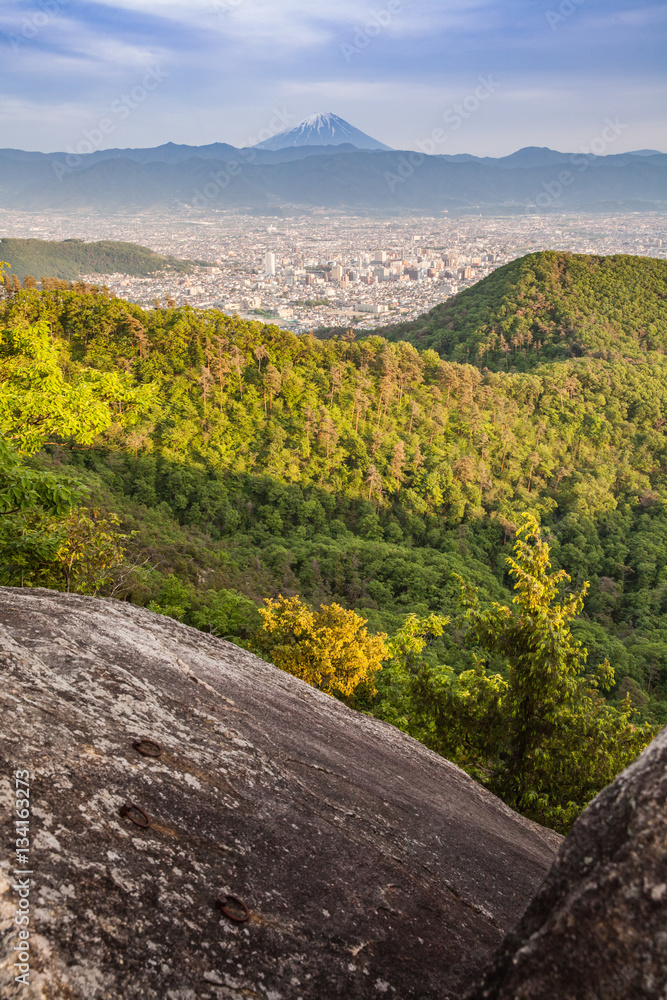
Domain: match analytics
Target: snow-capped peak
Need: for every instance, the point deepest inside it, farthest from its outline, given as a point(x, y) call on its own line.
point(319, 120)
point(322, 129)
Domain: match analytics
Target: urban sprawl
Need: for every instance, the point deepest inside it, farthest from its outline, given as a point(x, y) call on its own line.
point(320, 270)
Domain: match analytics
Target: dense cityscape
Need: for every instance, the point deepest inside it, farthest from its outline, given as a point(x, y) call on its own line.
point(320, 270)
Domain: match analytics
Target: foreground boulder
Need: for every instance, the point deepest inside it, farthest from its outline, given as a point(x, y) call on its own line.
point(597, 929)
point(369, 866)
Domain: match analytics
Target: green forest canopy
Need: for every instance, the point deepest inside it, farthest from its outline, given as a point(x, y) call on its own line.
point(250, 462)
point(550, 306)
point(70, 259)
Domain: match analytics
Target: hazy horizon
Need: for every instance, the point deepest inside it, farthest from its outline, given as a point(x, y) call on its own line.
point(175, 141)
point(488, 78)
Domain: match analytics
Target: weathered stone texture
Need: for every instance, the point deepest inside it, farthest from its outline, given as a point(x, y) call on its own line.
point(597, 929)
point(371, 866)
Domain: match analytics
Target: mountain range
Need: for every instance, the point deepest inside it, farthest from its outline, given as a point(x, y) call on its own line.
point(326, 162)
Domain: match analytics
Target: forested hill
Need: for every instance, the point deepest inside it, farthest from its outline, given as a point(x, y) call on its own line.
point(70, 259)
point(357, 471)
point(550, 306)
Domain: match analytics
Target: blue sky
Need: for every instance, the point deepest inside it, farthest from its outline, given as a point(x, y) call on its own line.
point(550, 73)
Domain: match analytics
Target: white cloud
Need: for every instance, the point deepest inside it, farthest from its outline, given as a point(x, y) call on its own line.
point(30, 113)
point(294, 24)
point(639, 17)
point(73, 47)
point(230, 66)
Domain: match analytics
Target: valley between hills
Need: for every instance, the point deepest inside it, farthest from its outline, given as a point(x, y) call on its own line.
point(207, 464)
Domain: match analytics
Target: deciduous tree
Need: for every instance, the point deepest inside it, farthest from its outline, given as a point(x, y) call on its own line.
point(329, 648)
point(561, 742)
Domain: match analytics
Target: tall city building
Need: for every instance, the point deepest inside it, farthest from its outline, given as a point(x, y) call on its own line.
point(269, 263)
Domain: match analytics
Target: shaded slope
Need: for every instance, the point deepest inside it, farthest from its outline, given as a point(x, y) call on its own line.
point(370, 865)
point(550, 306)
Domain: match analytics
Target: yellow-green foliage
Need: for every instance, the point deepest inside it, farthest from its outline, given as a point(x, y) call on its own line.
point(43, 393)
point(47, 536)
point(330, 648)
point(545, 739)
point(414, 634)
point(89, 549)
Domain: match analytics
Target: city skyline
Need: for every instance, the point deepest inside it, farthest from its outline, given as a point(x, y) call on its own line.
point(234, 70)
point(334, 269)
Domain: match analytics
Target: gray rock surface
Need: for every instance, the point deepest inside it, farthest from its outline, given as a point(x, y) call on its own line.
point(597, 929)
point(371, 866)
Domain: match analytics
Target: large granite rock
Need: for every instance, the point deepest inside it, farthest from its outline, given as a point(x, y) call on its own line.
point(597, 929)
point(371, 867)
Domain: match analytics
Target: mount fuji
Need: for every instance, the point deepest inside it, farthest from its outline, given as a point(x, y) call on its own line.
point(324, 129)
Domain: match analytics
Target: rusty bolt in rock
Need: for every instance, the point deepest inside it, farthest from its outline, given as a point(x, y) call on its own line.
point(147, 748)
point(239, 918)
point(142, 820)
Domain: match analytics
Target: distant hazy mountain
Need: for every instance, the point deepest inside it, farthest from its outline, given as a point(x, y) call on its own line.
point(324, 129)
point(172, 152)
point(529, 156)
point(542, 156)
point(219, 176)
